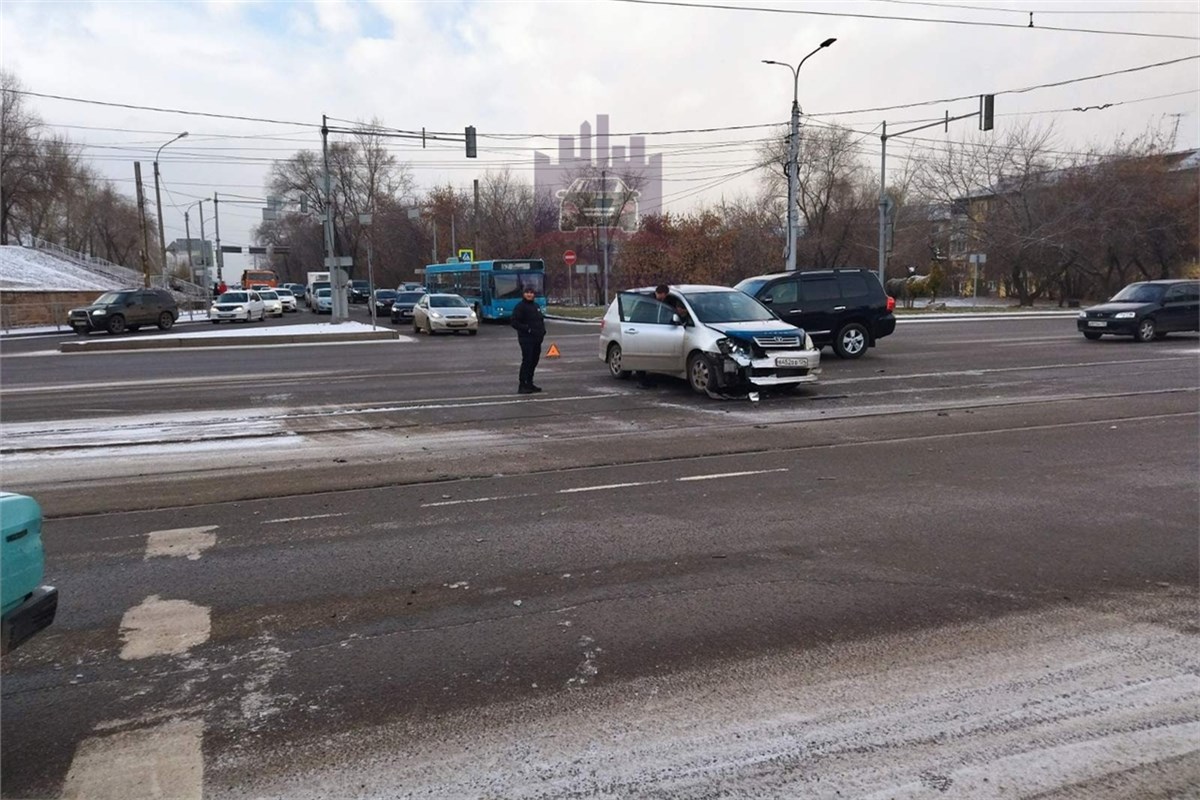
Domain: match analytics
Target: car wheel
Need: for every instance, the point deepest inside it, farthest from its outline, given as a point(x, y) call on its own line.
point(429, 327)
point(165, 321)
point(1092, 335)
point(1145, 330)
point(216, 322)
point(416, 328)
point(850, 341)
point(699, 373)
point(116, 324)
point(614, 363)
point(472, 333)
point(80, 332)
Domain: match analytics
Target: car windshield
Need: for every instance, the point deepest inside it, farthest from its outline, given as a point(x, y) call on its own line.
point(447, 301)
point(359, 284)
point(232, 297)
point(727, 306)
point(409, 297)
point(324, 293)
point(266, 295)
point(110, 298)
point(751, 285)
point(1140, 293)
point(385, 294)
point(284, 292)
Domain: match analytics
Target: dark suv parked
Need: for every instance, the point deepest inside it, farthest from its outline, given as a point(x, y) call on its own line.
point(126, 309)
point(846, 309)
point(1145, 310)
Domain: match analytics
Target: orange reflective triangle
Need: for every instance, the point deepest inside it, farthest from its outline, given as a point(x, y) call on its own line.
point(553, 351)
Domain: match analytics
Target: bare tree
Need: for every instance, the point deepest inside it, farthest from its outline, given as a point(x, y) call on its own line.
point(20, 130)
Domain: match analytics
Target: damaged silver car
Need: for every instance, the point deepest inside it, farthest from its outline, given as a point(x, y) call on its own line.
point(721, 341)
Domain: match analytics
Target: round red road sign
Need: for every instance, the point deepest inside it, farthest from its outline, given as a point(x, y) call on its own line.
point(569, 257)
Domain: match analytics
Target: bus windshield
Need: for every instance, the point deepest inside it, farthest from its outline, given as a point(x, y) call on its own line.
point(510, 285)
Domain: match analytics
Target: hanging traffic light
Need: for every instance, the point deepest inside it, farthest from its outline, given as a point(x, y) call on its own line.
point(471, 141)
point(987, 104)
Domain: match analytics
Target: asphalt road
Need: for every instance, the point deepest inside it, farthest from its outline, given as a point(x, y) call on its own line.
point(965, 565)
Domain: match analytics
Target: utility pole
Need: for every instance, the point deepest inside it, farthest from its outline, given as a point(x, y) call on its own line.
point(475, 232)
point(187, 232)
point(162, 242)
point(217, 224)
point(203, 241)
point(141, 201)
point(339, 309)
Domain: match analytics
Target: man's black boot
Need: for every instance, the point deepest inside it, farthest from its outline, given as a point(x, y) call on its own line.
point(525, 389)
point(535, 387)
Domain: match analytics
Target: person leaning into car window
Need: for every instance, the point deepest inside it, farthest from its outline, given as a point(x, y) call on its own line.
point(531, 330)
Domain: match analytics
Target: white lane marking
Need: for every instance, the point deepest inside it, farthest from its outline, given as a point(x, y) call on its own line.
point(731, 474)
point(160, 627)
point(301, 519)
point(997, 370)
point(190, 542)
point(476, 500)
point(152, 763)
point(607, 486)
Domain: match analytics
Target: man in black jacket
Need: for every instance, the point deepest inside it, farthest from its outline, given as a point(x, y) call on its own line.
point(531, 330)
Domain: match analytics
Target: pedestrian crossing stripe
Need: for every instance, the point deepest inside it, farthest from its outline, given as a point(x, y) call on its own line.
point(553, 351)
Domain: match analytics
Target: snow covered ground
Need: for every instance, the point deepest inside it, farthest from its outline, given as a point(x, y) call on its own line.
point(22, 268)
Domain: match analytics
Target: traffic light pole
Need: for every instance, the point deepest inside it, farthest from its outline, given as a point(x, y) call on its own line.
point(985, 117)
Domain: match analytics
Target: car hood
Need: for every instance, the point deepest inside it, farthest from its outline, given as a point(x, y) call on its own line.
point(1118, 307)
point(93, 307)
point(747, 331)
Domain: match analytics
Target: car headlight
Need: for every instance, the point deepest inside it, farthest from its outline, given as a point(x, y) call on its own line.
point(1081, 315)
point(471, 315)
point(1125, 315)
point(435, 315)
point(733, 347)
point(99, 312)
point(808, 343)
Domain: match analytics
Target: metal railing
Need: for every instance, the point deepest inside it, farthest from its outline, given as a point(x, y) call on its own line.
point(123, 275)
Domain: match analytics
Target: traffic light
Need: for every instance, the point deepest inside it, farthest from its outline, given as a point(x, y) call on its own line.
point(471, 141)
point(987, 104)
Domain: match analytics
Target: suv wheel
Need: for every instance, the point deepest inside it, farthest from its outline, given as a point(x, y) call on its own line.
point(116, 324)
point(699, 373)
point(851, 341)
point(165, 321)
point(614, 363)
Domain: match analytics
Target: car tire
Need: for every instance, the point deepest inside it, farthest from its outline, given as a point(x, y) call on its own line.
point(614, 363)
point(216, 322)
point(165, 321)
point(428, 328)
point(699, 373)
point(416, 328)
point(80, 332)
point(851, 341)
point(1092, 335)
point(472, 333)
point(116, 324)
point(1145, 330)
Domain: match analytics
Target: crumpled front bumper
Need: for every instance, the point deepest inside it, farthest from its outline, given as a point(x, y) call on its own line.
point(781, 368)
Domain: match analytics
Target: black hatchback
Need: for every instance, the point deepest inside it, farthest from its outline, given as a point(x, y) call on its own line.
point(846, 309)
point(1145, 310)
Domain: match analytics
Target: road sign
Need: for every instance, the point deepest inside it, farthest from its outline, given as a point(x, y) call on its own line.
point(466, 256)
point(569, 257)
point(587, 269)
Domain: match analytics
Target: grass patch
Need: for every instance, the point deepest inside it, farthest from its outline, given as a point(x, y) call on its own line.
point(577, 312)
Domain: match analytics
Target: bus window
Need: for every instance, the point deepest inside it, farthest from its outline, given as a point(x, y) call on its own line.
point(509, 284)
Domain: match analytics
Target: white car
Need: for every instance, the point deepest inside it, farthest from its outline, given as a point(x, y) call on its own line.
point(241, 306)
point(287, 299)
point(272, 305)
point(724, 341)
point(434, 313)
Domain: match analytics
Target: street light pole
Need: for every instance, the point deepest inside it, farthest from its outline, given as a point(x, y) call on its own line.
point(162, 244)
point(794, 154)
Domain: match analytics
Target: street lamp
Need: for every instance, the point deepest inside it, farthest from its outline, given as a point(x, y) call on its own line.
point(794, 153)
point(187, 231)
point(162, 244)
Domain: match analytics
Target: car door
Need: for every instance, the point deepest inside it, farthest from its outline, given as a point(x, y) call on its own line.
point(650, 338)
point(821, 300)
point(1180, 309)
point(420, 311)
point(783, 297)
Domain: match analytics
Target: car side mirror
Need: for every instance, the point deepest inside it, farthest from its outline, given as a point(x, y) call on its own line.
point(675, 319)
point(768, 300)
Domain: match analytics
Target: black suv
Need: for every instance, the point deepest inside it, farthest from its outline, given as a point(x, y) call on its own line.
point(358, 291)
point(1145, 310)
point(844, 308)
point(126, 310)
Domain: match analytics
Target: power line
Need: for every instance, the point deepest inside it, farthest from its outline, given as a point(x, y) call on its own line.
point(997, 10)
point(161, 110)
point(846, 14)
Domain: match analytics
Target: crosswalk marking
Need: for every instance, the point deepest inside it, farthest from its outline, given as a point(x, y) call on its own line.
point(164, 761)
point(189, 542)
point(160, 627)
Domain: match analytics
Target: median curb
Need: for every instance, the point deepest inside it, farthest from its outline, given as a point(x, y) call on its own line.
point(163, 342)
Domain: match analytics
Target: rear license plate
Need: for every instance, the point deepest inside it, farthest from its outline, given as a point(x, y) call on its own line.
point(1097, 323)
point(791, 362)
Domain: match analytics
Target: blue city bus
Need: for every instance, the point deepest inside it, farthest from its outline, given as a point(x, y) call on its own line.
point(492, 287)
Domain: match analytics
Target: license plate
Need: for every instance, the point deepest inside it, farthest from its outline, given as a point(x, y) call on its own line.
point(791, 362)
point(1097, 323)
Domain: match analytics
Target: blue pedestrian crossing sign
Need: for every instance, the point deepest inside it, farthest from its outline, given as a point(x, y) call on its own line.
point(466, 255)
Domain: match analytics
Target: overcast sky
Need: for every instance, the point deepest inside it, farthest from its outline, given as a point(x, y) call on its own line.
point(536, 70)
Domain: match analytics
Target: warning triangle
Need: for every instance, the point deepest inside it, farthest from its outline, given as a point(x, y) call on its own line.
point(553, 351)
